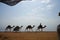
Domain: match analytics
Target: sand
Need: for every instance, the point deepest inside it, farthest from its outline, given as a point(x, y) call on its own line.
point(28, 36)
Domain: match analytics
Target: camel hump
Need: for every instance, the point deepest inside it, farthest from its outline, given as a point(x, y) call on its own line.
point(40, 26)
point(29, 25)
point(17, 26)
point(9, 26)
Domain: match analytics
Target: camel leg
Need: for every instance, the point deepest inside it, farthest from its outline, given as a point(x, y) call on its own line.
point(10, 30)
point(26, 30)
point(5, 30)
point(38, 30)
point(31, 30)
point(41, 29)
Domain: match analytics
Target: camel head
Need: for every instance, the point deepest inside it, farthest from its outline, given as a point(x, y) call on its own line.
point(13, 26)
point(33, 25)
point(59, 13)
point(21, 26)
point(44, 26)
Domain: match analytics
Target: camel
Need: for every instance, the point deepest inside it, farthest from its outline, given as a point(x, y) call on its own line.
point(58, 31)
point(17, 28)
point(59, 13)
point(29, 27)
point(9, 27)
point(41, 27)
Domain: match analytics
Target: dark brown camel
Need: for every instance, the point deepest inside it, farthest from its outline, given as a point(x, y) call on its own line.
point(17, 28)
point(9, 28)
point(29, 27)
point(41, 27)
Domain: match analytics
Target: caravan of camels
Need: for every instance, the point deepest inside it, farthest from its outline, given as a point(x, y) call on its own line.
point(29, 27)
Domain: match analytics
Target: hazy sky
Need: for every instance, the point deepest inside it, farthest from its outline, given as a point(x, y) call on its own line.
point(31, 12)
